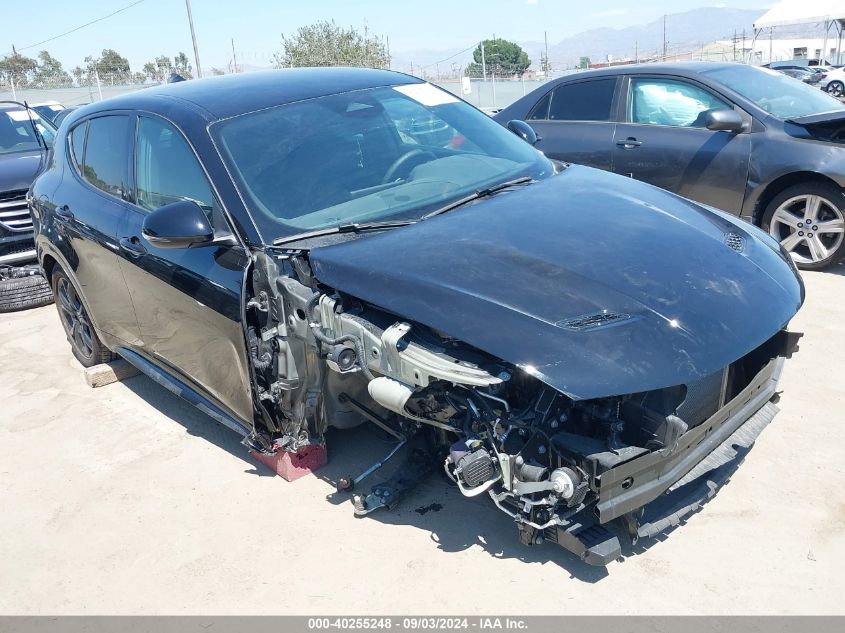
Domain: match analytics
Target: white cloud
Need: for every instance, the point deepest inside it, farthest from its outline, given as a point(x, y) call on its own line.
point(609, 13)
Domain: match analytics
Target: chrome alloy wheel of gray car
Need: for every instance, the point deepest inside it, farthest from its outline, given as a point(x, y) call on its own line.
point(810, 227)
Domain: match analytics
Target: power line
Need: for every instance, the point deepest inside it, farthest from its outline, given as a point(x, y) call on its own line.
point(82, 26)
point(450, 57)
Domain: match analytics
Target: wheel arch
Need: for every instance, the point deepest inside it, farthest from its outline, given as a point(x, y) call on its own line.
point(781, 183)
point(48, 265)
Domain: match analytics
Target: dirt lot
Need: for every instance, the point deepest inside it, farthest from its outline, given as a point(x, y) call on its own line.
point(123, 499)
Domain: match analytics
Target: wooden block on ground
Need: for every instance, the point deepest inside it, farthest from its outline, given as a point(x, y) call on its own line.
point(291, 466)
point(107, 373)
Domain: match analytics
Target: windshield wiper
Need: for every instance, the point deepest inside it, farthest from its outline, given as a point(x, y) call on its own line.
point(481, 193)
point(42, 143)
point(352, 227)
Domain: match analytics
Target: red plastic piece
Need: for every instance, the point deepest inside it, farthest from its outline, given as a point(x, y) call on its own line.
point(291, 466)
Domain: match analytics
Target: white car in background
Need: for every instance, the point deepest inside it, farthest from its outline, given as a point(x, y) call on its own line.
point(834, 82)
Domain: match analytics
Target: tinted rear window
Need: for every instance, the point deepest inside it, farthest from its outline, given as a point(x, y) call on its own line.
point(583, 101)
point(77, 143)
point(541, 110)
point(107, 154)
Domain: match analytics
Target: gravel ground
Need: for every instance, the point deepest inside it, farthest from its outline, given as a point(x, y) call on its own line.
point(125, 500)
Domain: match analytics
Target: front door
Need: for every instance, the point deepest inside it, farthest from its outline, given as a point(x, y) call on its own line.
point(663, 141)
point(188, 300)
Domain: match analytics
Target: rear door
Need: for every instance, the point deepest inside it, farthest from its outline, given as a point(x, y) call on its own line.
point(188, 300)
point(91, 206)
point(575, 122)
point(662, 140)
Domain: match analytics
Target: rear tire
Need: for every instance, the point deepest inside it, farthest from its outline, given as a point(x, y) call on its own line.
point(816, 244)
point(20, 293)
point(84, 342)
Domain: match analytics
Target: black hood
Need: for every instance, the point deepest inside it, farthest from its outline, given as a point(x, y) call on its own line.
point(597, 284)
point(18, 170)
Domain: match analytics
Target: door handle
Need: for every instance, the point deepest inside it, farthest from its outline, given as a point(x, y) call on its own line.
point(132, 246)
point(64, 212)
point(629, 143)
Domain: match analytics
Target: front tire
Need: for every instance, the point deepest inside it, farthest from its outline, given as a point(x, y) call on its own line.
point(809, 222)
point(836, 88)
point(84, 342)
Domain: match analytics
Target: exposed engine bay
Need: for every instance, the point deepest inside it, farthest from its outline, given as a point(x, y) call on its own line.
point(560, 467)
point(825, 129)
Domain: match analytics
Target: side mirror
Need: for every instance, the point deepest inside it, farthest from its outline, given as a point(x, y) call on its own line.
point(523, 131)
point(723, 120)
point(178, 225)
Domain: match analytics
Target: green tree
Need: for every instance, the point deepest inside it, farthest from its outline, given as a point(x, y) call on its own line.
point(49, 73)
point(327, 44)
point(160, 68)
point(17, 68)
point(78, 74)
point(501, 57)
point(584, 62)
point(183, 67)
point(113, 68)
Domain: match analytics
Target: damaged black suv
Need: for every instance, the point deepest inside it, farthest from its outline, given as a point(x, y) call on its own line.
point(288, 251)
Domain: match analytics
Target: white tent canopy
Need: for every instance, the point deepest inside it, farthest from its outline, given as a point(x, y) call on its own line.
point(802, 12)
point(829, 13)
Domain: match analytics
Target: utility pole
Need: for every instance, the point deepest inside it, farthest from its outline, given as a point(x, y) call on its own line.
point(664, 37)
point(483, 63)
point(12, 76)
point(734, 45)
point(636, 52)
point(546, 66)
point(194, 39)
point(234, 58)
point(771, 30)
point(97, 79)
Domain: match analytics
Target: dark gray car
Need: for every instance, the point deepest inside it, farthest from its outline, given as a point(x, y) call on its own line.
point(744, 139)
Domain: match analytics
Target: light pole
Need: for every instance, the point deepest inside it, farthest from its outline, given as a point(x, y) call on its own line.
point(194, 39)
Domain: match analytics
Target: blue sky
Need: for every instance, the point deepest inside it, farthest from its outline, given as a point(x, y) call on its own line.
point(157, 27)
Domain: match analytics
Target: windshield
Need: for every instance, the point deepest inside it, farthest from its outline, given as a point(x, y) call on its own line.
point(391, 153)
point(17, 135)
point(777, 94)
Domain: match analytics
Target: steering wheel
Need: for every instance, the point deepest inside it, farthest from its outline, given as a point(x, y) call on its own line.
point(402, 161)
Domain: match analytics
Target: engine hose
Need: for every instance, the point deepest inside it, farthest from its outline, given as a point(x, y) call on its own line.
point(318, 334)
point(259, 362)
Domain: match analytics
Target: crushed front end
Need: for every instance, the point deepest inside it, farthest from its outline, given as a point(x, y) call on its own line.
point(580, 472)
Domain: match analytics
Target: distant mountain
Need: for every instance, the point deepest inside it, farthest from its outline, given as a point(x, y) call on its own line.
point(686, 31)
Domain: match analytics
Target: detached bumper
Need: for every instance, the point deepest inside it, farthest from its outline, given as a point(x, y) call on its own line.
point(631, 486)
point(652, 493)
